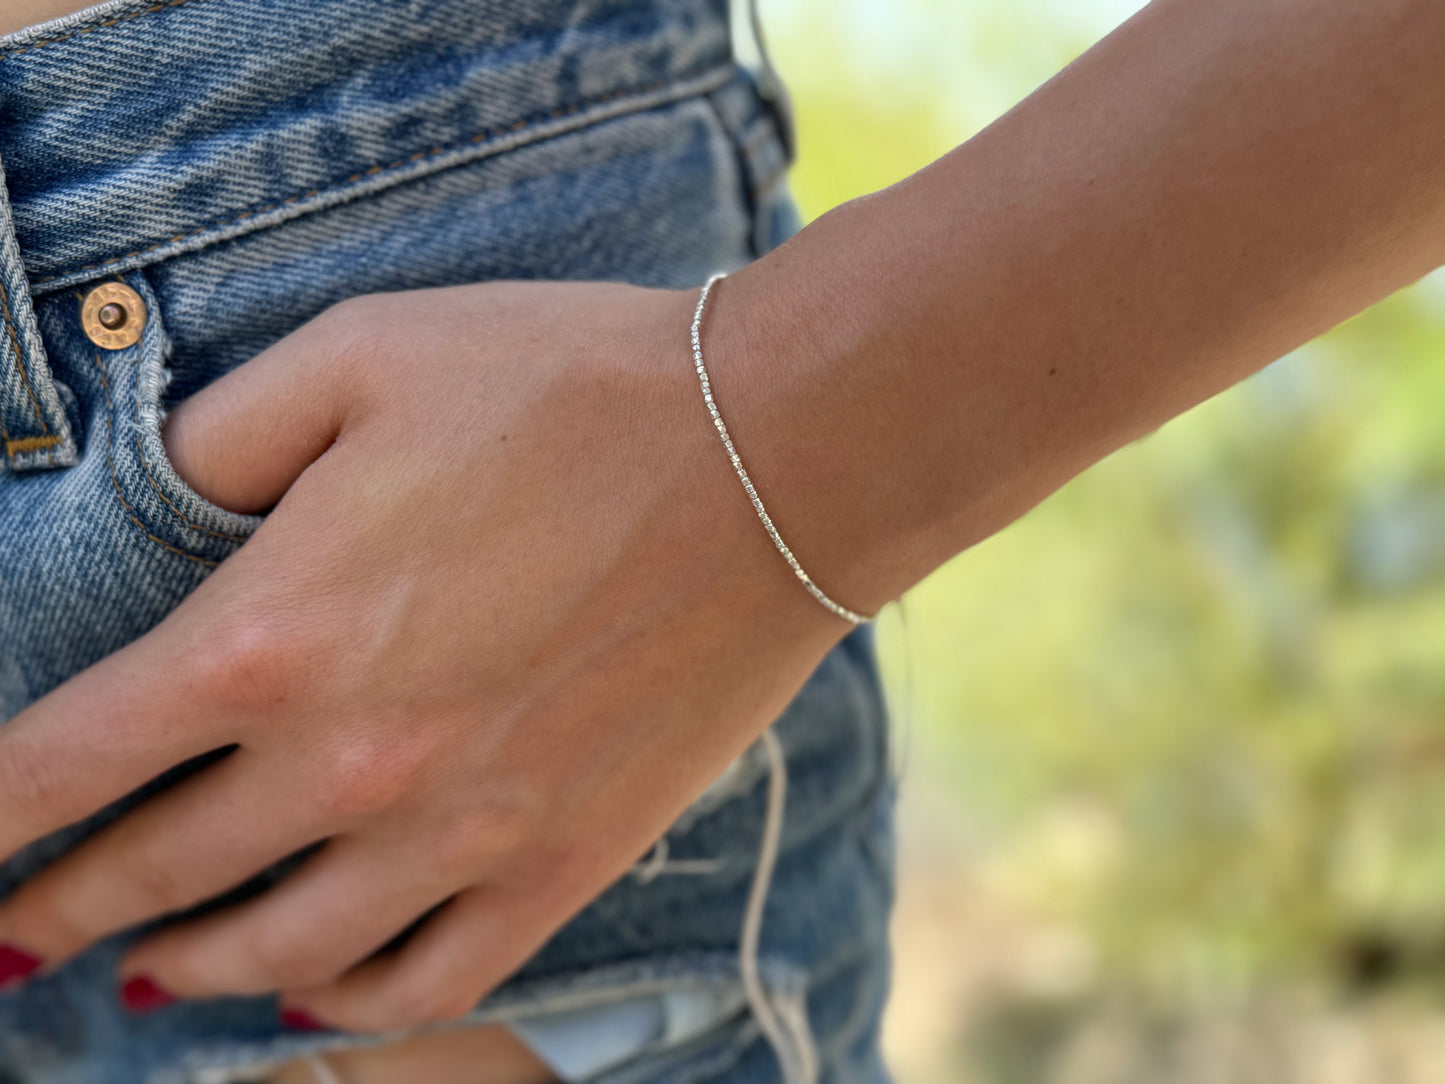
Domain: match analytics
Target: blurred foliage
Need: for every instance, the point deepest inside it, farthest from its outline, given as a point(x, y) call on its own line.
point(1190, 708)
point(1219, 653)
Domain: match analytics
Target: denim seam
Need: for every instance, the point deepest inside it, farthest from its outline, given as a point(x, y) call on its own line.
point(528, 130)
point(746, 140)
point(155, 487)
point(115, 480)
point(743, 165)
point(48, 441)
point(862, 1019)
point(766, 127)
point(20, 358)
point(98, 26)
point(862, 1016)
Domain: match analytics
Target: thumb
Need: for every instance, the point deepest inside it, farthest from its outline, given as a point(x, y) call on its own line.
point(242, 441)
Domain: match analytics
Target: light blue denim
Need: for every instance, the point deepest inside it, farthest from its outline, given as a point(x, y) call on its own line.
point(243, 164)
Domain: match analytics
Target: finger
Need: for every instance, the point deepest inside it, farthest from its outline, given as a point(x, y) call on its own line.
point(242, 441)
point(460, 954)
point(104, 733)
point(305, 931)
point(192, 843)
point(484, 1054)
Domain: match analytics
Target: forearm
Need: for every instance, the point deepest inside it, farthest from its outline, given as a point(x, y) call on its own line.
point(1211, 186)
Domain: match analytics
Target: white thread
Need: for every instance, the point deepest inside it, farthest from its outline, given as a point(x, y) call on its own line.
point(793, 1012)
point(652, 866)
point(722, 429)
point(692, 867)
point(791, 1041)
point(658, 863)
point(321, 1070)
point(797, 1057)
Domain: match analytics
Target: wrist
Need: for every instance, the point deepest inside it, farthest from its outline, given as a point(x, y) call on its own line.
point(813, 406)
point(736, 573)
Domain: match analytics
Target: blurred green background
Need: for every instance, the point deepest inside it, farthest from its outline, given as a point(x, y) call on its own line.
point(1172, 745)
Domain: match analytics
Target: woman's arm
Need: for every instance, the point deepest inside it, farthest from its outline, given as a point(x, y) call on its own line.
point(1214, 184)
point(513, 611)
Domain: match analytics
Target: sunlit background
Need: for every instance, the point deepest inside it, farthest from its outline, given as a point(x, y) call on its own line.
point(1173, 748)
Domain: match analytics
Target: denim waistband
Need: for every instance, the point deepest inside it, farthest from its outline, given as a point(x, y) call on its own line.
point(142, 129)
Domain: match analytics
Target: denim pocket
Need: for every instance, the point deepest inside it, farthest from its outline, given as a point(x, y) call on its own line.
point(127, 417)
point(708, 1032)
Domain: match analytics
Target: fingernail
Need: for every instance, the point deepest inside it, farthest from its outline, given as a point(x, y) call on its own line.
point(144, 994)
point(17, 965)
point(300, 1020)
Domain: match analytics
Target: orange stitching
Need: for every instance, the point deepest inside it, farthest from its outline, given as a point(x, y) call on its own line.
point(5, 435)
point(30, 444)
point(98, 26)
point(480, 137)
point(115, 481)
point(20, 358)
point(130, 514)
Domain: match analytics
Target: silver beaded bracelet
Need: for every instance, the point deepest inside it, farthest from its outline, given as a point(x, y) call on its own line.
point(722, 430)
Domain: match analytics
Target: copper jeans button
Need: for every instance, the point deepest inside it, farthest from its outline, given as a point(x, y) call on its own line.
point(113, 316)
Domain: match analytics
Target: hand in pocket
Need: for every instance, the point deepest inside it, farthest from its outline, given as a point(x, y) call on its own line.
point(510, 614)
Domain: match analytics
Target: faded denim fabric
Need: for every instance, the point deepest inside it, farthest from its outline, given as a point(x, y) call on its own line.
point(243, 164)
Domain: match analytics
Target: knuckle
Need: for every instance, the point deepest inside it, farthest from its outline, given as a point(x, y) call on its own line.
point(251, 663)
point(468, 844)
point(457, 857)
point(347, 322)
point(351, 332)
point(494, 833)
point(369, 774)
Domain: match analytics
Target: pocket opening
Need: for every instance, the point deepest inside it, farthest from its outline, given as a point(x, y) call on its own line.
point(172, 514)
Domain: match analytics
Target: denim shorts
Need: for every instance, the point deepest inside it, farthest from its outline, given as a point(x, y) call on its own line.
point(242, 165)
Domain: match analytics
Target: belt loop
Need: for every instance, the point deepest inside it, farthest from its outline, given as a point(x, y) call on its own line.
point(771, 87)
point(33, 423)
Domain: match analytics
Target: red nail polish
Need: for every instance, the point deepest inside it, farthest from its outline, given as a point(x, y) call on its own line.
point(17, 965)
point(300, 1020)
point(144, 994)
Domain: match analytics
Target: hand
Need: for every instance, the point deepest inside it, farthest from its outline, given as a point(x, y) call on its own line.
point(511, 614)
